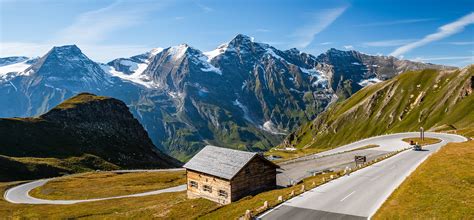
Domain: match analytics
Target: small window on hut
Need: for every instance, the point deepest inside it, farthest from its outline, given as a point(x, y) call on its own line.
point(207, 188)
point(223, 193)
point(193, 184)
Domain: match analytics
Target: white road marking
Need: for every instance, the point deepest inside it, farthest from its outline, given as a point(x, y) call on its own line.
point(347, 196)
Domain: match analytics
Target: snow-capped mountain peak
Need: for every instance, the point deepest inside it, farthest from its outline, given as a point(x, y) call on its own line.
point(218, 51)
point(155, 51)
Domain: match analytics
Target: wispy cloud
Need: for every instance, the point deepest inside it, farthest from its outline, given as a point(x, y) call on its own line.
point(320, 20)
point(263, 30)
point(326, 43)
point(387, 43)
point(461, 43)
point(458, 61)
point(204, 8)
point(396, 22)
point(444, 58)
point(96, 25)
point(443, 32)
point(90, 30)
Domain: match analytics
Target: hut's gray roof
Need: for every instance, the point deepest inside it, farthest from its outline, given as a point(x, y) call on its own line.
point(220, 162)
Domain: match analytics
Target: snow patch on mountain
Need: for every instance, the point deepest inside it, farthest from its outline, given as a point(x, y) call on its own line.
point(155, 51)
point(8, 72)
point(177, 52)
point(321, 78)
point(273, 54)
point(137, 77)
point(269, 126)
point(17, 67)
point(371, 81)
point(208, 67)
point(218, 51)
point(244, 109)
point(132, 66)
point(4, 61)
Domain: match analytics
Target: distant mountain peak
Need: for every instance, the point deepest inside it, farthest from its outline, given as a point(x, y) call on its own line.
point(181, 50)
point(68, 50)
point(155, 51)
point(293, 51)
point(243, 37)
point(241, 41)
point(67, 47)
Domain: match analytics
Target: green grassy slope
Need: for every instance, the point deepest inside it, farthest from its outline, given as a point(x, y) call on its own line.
point(433, 99)
point(440, 188)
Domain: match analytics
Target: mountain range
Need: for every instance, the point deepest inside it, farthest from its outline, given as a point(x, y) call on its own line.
point(244, 94)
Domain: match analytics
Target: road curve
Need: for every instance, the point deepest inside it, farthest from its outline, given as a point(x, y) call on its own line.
point(20, 194)
point(359, 195)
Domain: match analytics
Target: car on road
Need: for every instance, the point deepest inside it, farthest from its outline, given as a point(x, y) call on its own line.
point(417, 147)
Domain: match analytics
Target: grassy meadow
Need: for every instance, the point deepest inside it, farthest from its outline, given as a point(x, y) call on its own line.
point(441, 188)
point(91, 185)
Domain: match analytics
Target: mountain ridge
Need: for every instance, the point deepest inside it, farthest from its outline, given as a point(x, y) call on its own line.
point(245, 94)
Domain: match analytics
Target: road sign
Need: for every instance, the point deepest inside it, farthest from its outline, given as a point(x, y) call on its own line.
point(360, 159)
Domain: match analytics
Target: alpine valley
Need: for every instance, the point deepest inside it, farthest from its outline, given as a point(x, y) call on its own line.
point(243, 95)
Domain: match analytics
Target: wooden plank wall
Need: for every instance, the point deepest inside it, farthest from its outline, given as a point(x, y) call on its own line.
point(257, 176)
point(204, 179)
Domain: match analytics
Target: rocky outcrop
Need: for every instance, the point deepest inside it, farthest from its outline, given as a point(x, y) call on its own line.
point(84, 124)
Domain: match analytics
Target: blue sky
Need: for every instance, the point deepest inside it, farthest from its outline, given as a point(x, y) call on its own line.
point(429, 31)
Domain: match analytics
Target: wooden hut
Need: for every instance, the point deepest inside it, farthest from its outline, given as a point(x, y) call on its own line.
point(225, 175)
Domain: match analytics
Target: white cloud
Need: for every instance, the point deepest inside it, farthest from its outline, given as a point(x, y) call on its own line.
point(89, 31)
point(320, 21)
point(423, 59)
point(204, 8)
point(348, 47)
point(388, 23)
point(326, 43)
point(386, 43)
point(262, 30)
point(461, 43)
point(96, 25)
point(443, 32)
point(458, 61)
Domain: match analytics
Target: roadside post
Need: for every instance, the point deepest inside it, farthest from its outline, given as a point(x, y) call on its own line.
point(422, 133)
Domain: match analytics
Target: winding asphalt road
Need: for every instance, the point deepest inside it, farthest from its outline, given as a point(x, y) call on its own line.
point(20, 194)
point(359, 195)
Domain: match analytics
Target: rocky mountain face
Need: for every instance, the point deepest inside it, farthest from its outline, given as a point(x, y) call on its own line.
point(436, 100)
point(87, 126)
point(352, 70)
point(244, 94)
